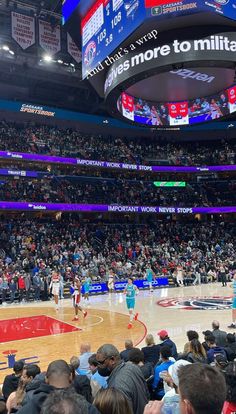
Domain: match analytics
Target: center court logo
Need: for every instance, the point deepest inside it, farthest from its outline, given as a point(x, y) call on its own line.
point(197, 303)
point(222, 2)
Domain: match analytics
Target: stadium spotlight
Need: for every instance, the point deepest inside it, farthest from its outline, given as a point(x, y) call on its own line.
point(47, 58)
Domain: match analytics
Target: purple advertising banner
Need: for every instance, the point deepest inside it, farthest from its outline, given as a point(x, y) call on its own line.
point(9, 205)
point(116, 165)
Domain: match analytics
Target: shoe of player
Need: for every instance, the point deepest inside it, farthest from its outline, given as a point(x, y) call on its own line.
point(75, 318)
point(130, 326)
point(85, 314)
point(136, 316)
point(233, 325)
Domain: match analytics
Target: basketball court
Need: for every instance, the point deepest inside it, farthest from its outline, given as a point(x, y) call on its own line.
point(39, 334)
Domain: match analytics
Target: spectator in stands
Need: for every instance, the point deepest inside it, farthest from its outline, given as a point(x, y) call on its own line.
point(151, 351)
point(136, 356)
point(128, 346)
point(32, 386)
point(37, 283)
point(158, 386)
point(80, 382)
point(11, 381)
point(65, 402)
point(172, 397)
point(221, 362)
point(202, 389)
point(230, 376)
point(206, 334)
point(124, 377)
point(15, 399)
point(220, 336)
point(85, 353)
point(196, 352)
point(58, 377)
point(112, 401)
point(214, 350)
point(97, 381)
point(190, 335)
point(166, 341)
point(230, 347)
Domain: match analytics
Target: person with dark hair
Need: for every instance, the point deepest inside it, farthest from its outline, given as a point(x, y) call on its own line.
point(11, 381)
point(128, 346)
point(190, 335)
point(32, 386)
point(230, 376)
point(136, 356)
point(16, 398)
point(202, 389)
point(80, 382)
point(157, 386)
point(125, 377)
point(97, 381)
point(112, 401)
point(58, 377)
point(230, 348)
point(214, 350)
point(166, 341)
point(207, 334)
point(64, 402)
point(196, 352)
point(151, 351)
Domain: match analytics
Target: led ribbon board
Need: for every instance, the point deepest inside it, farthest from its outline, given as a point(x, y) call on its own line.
point(169, 183)
point(35, 206)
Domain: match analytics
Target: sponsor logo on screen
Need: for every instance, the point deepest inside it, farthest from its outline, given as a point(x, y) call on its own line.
point(90, 53)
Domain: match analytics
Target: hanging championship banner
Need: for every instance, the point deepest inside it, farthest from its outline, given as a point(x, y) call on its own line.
point(49, 37)
point(23, 29)
point(73, 49)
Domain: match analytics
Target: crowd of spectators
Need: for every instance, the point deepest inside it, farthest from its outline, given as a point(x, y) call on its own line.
point(188, 253)
point(157, 379)
point(121, 192)
point(59, 142)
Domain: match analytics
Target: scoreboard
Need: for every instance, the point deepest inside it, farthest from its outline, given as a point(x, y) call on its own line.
point(107, 24)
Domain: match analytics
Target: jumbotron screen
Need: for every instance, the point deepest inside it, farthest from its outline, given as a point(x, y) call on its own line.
point(178, 113)
point(109, 22)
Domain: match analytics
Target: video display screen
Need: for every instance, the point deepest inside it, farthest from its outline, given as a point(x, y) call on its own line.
point(107, 24)
point(178, 113)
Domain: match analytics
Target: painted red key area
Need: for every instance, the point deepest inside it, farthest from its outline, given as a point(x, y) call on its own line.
point(32, 327)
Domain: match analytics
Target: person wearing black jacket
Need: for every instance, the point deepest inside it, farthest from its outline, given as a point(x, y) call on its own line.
point(166, 341)
point(11, 381)
point(58, 377)
point(136, 356)
point(230, 347)
point(151, 351)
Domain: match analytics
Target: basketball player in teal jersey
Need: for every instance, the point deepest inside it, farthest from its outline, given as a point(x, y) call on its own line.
point(150, 278)
point(131, 291)
point(86, 284)
point(233, 324)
